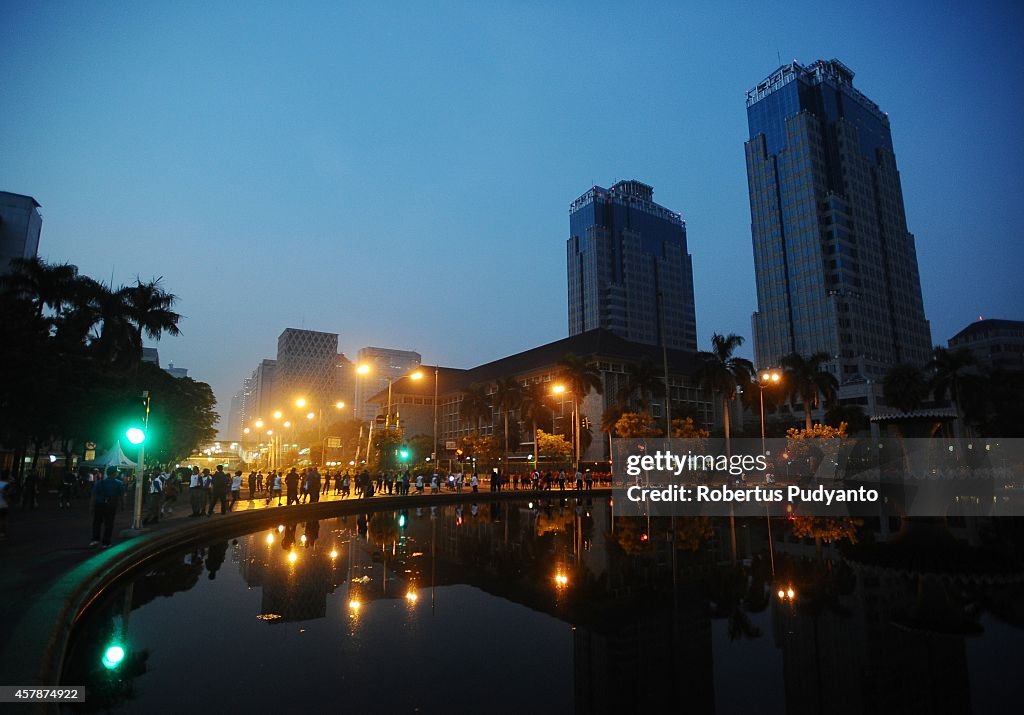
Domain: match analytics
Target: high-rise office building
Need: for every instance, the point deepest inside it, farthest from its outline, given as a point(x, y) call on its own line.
point(836, 266)
point(264, 393)
point(306, 368)
point(628, 267)
point(383, 365)
point(20, 224)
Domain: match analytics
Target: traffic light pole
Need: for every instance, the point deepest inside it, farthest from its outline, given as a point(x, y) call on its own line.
point(141, 473)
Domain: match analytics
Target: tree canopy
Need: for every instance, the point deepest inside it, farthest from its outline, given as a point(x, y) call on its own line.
point(72, 362)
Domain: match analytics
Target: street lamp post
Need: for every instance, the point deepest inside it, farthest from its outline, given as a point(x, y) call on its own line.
point(558, 390)
point(767, 377)
point(433, 456)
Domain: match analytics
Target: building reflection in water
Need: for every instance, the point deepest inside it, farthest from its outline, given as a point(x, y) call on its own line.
point(882, 628)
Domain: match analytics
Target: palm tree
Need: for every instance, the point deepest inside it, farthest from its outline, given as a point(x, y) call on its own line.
point(81, 315)
point(582, 378)
point(721, 372)
point(476, 404)
point(115, 339)
point(42, 284)
point(643, 379)
point(949, 368)
point(148, 310)
point(905, 387)
point(507, 397)
point(807, 381)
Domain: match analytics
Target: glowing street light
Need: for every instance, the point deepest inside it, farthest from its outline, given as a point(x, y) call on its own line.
point(411, 596)
point(277, 414)
point(292, 557)
point(300, 403)
point(259, 424)
point(334, 553)
point(354, 604)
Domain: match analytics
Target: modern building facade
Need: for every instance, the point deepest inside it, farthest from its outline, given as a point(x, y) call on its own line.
point(382, 366)
point(835, 264)
point(306, 368)
point(20, 225)
point(264, 392)
point(613, 357)
point(629, 271)
point(995, 344)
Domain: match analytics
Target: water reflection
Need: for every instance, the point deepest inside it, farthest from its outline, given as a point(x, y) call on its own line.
point(573, 610)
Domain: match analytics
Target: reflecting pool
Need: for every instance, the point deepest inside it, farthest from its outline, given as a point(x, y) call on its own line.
point(550, 606)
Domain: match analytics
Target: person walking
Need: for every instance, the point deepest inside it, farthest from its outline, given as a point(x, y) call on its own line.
point(474, 482)
point(196, 492)
point(219, 485)
point(588, 479)
point(154, 498)
point(275, 487)
point(105, 497)
point(579, 480)
point(236, 489)
point(292, 482)
point(313, 480)
point(67, 488)
point(171, 483)
point(252, 485)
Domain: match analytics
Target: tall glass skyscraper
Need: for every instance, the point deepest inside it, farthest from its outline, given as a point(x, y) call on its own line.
point(836, 266)
point(627, 254)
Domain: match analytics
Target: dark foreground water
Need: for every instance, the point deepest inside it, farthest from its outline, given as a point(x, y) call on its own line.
point(550, 607)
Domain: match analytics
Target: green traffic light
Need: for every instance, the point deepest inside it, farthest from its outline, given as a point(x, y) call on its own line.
point(404, 454)
point(113, 656)
point(401, 520)
point(135, 435)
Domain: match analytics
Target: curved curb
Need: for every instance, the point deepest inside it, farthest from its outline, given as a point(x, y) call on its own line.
point(31, 658)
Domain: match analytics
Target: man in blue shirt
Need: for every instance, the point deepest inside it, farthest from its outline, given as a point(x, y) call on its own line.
point(105, 496)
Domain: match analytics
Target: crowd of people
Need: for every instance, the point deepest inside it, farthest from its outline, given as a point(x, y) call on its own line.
point(207, 490)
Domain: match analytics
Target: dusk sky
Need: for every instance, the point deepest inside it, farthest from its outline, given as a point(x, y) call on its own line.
point(401, 173)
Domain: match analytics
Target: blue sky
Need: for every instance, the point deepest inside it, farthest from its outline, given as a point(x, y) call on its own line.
point(401, 173)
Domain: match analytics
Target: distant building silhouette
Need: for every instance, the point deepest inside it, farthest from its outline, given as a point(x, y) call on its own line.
point(20, 224)
point(994, 343)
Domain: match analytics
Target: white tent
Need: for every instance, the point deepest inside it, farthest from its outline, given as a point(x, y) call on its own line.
point(114, 458)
